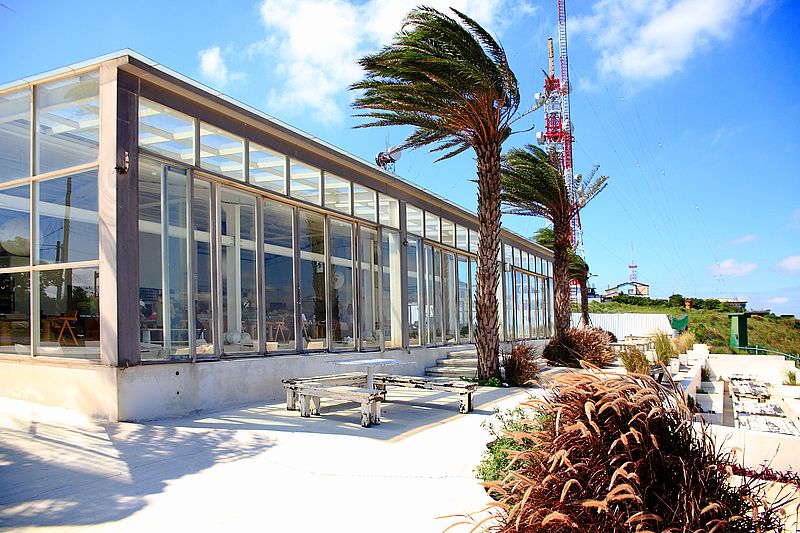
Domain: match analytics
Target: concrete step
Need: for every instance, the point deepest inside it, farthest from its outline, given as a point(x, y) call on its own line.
point(458, 361)
point(452, 371)
point(466, 354)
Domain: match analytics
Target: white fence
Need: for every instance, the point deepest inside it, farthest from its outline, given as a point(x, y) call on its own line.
point(624, 324)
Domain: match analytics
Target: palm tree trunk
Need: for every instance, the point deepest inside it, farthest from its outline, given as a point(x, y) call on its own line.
point(561, 302)
point(487, 340)
point(584, 282)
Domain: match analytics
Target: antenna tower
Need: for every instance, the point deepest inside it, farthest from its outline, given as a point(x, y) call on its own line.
point(633, 266)
point(557, 136)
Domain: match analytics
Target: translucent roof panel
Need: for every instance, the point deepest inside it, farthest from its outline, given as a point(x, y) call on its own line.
point(221, 152)
point(165, 131)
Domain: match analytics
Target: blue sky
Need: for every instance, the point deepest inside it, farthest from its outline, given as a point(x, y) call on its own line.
point(692, 107)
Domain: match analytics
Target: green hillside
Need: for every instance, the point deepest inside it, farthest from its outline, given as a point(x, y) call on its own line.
point(713, 327)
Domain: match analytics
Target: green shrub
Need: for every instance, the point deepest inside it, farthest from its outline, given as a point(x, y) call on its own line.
point(495, 460)
point(635, 360)
point(705, 374)
point(790, 377)
point(664, 349)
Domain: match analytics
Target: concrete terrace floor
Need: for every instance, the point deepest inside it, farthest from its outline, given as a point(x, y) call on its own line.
point(253, 468)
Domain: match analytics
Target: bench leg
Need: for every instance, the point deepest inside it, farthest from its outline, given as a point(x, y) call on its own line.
point(466, 403)
point(375, 411)
point(291, 400)
point(305, 405)
point(315, 402)
point(366, 415)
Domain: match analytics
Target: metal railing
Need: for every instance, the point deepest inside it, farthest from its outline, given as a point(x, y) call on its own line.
point(760, 350)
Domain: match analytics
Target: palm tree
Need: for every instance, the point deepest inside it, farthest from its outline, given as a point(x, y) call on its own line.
point(450, 80)
point(578, 269)
point(534, 185)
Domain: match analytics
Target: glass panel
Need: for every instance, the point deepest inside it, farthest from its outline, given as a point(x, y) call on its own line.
point(15, 313)
point(463, 299)
point(221, 152)
point(70, 325)
point(524, 260)
point(414, 221)
point(433, 295)
point(526, 325)
point(462, 238)
point(473, 241)
point(414, 294)
point(67, 122)
point(342, 293)
point(517, 259)
point(267, 168)
point(176, 259)
point(500, 305)
point(279, 276)
point(392, 305)
point(15, 135)
point(15, 221)
point(165, 131)
point(448, 232)
point(536, 313)
point(508, 307)
point(201, 224)
point(449, 297)
point(337, 193)
point(473, 273)
point(389, 210)
point(151, 311)
point(364, 203)
point(431, 227)
point(68, 223)
point(520, 334)
point(305, 182)
point(369, 310)
point(311, 233)
point(238, 267)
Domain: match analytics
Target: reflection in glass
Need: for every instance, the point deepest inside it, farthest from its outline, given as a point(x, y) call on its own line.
point(462, 238)
point(165, 131)
point(15, 135)
point(267, 168)
point(473, 272)
point(432, 227)
point(389, 211)
point(15, 222)
point(151, 307)
point(473, 241)
point(238, 268)
point(221, 152)
point(304, 182)
point(342, 294)
point(364, 203)
point(67, 122)
point(68, 222)
point(279, 283)
point(526, 326)
point(70, 324)
point(414, 221)
point(15, 313)
point(518, 316)
point(433, 295)
point(337, 193)
point(449, 297)
point(203, 318)
point(448, 232)
point(414, 291)
point(392, 301)
point(463, 299)
point(508, 306)
point(369, 309)
point(311, 235)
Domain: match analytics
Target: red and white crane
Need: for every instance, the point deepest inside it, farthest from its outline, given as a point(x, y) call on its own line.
point(557, 135)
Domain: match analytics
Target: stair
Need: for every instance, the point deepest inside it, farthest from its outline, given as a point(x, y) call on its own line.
point(461, 363)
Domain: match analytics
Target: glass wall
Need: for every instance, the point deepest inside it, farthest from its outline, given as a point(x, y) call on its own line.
point(448, 233)
point(311, 238)
point(15, 135)
point(203, 294)
point(414, 296)
point(433, 294)
point(463, 299)
point(15, 313)
point(337, 194)
point(389, 211)
point(305, 182)
point(279, 285)
point(221, 152)
point(239, 289)
point(15, 224)
point(166, 132)
point(369, 288)
point(342, 293)
point(267, 168)
point(449, 297)
point(364, 203)
point(392, 300)
point(68, 220)
point(414, 221)
point(473, 272)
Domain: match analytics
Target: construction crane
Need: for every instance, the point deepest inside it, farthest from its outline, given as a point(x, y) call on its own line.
point(558, 133)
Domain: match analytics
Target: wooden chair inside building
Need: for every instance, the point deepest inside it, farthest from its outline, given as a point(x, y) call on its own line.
point(66, 323)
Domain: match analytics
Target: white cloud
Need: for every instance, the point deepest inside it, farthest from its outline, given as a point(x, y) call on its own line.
point(730, 267)
point(644, 40)
point(778, 300)
point(744, 239)
point(790, 264)
point(214, 69)
point(315, 44)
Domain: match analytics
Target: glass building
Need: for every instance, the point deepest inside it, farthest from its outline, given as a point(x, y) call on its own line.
point(148, 223)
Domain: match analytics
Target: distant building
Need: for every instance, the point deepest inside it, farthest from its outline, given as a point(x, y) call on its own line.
point(631, 288)
point(741, 305)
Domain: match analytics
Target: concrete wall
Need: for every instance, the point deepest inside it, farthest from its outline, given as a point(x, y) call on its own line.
point(767, 368)
point(78, 385)
point(757, 448)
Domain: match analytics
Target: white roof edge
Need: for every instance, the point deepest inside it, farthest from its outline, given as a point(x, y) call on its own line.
point(29, 80)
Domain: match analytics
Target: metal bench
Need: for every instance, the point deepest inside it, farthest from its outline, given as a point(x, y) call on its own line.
point(310, 395)
point(349, 379)
point(464, 389)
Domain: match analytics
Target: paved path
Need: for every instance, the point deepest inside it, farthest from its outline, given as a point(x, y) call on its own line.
point(256, 468)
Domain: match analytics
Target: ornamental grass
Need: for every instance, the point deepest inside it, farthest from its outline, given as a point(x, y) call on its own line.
point(589, 345)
